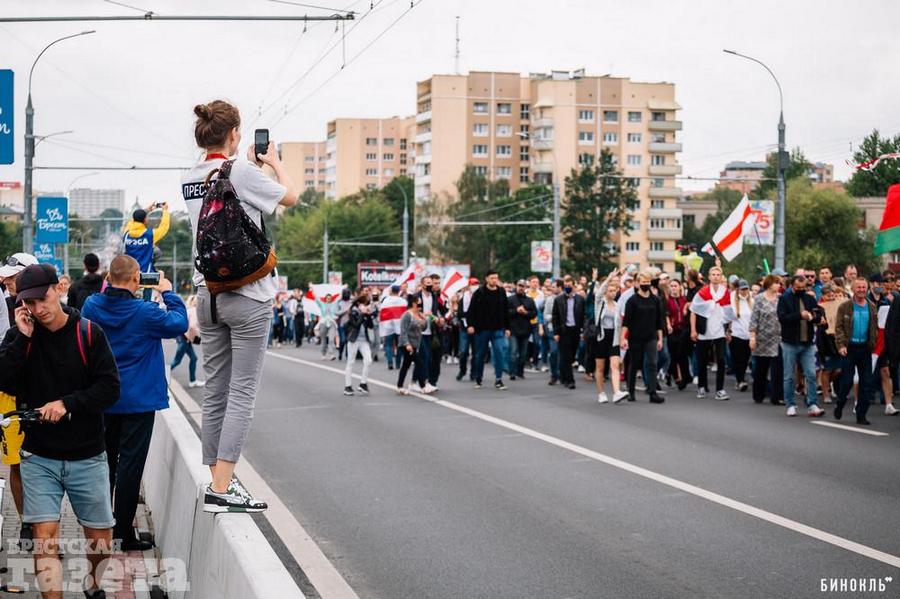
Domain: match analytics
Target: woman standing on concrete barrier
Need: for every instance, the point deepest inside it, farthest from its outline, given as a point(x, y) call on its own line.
point(234, 325)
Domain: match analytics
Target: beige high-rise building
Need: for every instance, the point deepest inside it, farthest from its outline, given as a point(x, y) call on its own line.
point(367, 153)
point(538, 127)
point(305, 163)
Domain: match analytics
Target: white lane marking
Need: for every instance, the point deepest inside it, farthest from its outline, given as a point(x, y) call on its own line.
point(722, 500)
point(852, 429)
point(318, 569)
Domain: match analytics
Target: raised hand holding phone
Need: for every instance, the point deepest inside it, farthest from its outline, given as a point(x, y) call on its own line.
point(24, 321)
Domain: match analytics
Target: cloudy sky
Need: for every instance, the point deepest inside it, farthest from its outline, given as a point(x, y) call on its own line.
point(127, 91)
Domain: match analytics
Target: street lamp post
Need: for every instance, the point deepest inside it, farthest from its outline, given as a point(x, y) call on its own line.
point(781, 166)
point(405, 226)
point(27, 221)
point(557, 229)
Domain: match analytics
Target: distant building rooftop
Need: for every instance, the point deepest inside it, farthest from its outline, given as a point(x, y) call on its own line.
point(746, 166)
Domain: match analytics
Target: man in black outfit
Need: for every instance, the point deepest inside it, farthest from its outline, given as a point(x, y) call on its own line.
point(522, 311)
point(433, 309)
point(642, 335)
point(89, 284)
point(568, 321)
point(488, 319)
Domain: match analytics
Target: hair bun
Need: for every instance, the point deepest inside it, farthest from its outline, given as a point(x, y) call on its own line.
point(203, 111)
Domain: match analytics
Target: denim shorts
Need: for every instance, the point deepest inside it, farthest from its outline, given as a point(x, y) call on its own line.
point(86, 482)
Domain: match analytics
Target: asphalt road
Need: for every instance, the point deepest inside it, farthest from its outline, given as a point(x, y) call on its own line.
point(413, 499)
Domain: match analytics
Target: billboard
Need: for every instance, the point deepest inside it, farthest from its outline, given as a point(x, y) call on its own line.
point(52, 220)
point(541, 256)
point(377, 274)
point(7, 111)
point(764, 211)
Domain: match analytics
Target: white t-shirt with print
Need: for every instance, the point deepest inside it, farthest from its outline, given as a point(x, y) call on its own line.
point(259, 194)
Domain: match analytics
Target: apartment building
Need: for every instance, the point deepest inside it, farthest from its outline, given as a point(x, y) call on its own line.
point(540, 126)
point(744, 176)
point(367, 153)
point(305, 163)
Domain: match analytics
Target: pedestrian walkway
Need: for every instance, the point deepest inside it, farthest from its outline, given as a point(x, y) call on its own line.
point(132, 576)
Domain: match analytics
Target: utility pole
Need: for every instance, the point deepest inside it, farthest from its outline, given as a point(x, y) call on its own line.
point(456, 57)
point(405, 226)
point(325, 257)
point(557, 254)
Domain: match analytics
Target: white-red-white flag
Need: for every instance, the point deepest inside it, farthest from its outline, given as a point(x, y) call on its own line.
point(453, 282)
point(389, 314)
point(729, 238)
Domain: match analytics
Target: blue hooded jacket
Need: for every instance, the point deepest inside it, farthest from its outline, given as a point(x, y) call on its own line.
point(135, 329)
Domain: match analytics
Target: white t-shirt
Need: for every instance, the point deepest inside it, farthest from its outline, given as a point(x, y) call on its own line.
point(259, 194)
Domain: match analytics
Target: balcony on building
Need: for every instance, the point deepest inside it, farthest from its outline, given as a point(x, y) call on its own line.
point(542, 122)
point(423, 159)
point(664, 126)
point(665, 213)
point(660, 255)
point(666, 192)
point(542, 167)
point(542, 143)
point(423, 117)
point(423, 137)
point(664, 147)
point(664, 169)
point(664, 234)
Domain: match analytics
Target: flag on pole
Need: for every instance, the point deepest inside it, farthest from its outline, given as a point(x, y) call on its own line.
point(389, 315)
point(888, 238)
point(323, 301)
point(729, 238)
point(453, 282)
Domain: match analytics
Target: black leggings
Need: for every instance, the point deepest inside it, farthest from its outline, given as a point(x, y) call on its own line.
point(740, 357)
point(764, 366)
point(410, 358)
point(703, 349)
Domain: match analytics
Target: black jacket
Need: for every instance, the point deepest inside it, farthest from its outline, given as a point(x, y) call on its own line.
point(560, 311)
point(53, 369)
point(520, 324)
point(359, 323)
point(489, 310)
point(83, 288)
point(892, 331)
point(789, 317)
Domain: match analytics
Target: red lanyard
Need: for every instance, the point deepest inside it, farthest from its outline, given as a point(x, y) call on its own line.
point(216, 155)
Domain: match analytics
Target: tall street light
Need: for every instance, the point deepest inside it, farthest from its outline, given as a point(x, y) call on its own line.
point(781, 165)
point(557, 229)
point(28, 223)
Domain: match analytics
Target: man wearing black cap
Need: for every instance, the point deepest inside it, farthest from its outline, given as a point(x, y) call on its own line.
point(139, 239)
point(61, 366)
point(89, 284)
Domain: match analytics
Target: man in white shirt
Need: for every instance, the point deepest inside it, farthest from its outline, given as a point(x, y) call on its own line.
point(708, 322)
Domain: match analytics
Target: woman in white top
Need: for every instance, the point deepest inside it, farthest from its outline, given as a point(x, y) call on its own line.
point(609, 328)
point(234, 337)
point(739, 339)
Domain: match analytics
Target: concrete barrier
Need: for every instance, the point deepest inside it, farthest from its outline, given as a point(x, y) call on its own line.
point(224, 555)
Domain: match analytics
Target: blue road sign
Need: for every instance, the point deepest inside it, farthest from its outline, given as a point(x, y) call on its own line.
point(52, 220)
point(7, 111)
point(46, 254)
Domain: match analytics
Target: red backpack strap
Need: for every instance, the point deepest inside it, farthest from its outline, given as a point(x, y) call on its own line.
point(84, 330)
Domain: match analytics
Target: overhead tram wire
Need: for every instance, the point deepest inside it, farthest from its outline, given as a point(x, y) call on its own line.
point(130, 150)
point(412, 5)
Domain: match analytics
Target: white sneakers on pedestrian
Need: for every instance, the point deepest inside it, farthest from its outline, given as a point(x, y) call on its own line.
point(792, 411)
point(429, 389)
point(701, 393)
point(722, 395)
point(815, 412)
point(580, 368)
point(193, 384)
point(890, 410)
point(603, 398)
point(617, 397)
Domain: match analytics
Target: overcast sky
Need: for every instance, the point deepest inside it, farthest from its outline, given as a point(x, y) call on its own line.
point(132, 85)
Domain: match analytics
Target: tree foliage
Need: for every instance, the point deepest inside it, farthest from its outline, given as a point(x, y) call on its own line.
point(797, 167)
point(595, 206)
point(10, 238)
point(874, 183)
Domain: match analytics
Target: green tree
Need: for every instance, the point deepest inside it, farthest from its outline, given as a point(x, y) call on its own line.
point(10, 239)
point(874, 183)
point(594, 207)
point(393, 194)
point(797, 167)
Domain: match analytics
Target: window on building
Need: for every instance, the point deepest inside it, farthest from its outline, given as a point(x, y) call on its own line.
point(657, 246)
point(657, 223)
point(388, 141)
point(388, 172)
point(657, 204)
point(310, 171)
point(371, 141)
point(310, 158)
point(523, 129)
point(504, 172)
point(523, 153)
point(586, 116)
point(585, 137)
point(481, 170)
point(402, 158)
point(371, 187)
point(480, 150)
point(504, 108)
point(387, 156)
point(524, 111)
point(480, 107)
point(610, 137)
point(585, 159)
point(633, 181)
point(634, 138)
point(611, 116)
point(504, 150)
point(632, 246)
point(310, 183)
point(689, 219)
point(504, 130)
point(658, 138)
point(614, 158)
point(402, 143)
point(634, 159)
point(658, 159)
point(657, 182)
point(371, 172)
point(634, 116)
point(634, 226)
point(371, 156)
point(523, 174)
point(402, 172)
point(657, 116)
point(480, 129)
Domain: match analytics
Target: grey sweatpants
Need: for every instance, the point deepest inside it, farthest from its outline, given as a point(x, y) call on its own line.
point(233, 351)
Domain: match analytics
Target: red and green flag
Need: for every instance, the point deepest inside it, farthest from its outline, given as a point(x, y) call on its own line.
point(888, 239)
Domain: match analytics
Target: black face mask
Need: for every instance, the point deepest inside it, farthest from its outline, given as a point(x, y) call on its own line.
point(645, 288)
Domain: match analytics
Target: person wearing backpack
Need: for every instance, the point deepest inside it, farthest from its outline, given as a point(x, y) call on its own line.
point(62, 366)
point(227, 198)
point(89, 284)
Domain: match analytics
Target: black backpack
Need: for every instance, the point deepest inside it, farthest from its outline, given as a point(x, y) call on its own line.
point(231, 250)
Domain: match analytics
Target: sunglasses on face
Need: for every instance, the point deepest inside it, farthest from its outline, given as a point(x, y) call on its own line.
point(12, 261)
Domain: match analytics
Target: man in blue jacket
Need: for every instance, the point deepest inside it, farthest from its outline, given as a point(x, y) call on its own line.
point(135, 329)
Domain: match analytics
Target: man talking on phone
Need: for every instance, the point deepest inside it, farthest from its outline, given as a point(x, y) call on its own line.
point(61, 365)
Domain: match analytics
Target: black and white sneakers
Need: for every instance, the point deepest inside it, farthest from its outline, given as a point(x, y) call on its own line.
point(235, 500)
